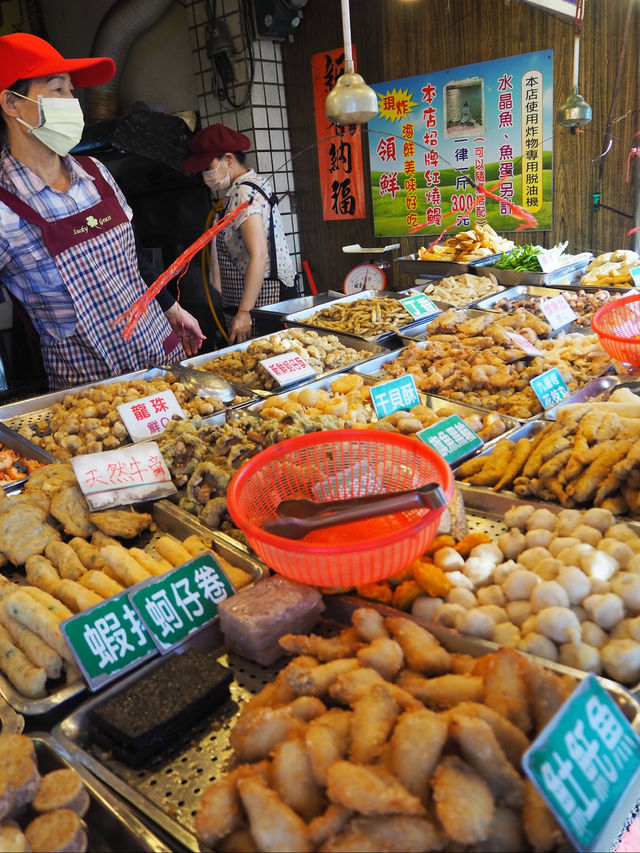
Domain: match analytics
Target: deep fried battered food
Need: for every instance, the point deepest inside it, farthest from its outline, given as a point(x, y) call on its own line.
point(480, 748)
point(34, 647)
point(100, 583)
point(415, 748)
point(370, 790)
point(547, 691)
point(384, 655)
point(273, 824)
point(516, 463)
point(391, 833)
point(316, 680)
point(293, 779)
point(464, 803)
point(39, 619)
point(431, 579)
point(374, 716)
point(505, 689)
point(70, 508)
point(422, 651)
point(122, 523)
point(506, 833)
point(540, 827)
point(327, 739)
point(51, 478)
point(29, 680)
point(23, 529)
point(259, 732)
point(327, 825)
point(496, 465)
point(513, 740)
point(324, 648)
point(443, 691)
point(65, 559)
point(121, 567)
point(369, 624)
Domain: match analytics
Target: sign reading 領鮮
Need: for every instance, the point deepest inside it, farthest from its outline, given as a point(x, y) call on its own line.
point(287, 367)
point(394, 395)
point(149, 416)
point(550, 388)
point(451, 438)
point(584, 763)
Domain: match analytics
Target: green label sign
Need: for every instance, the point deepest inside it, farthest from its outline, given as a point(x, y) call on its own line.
point(451, 438)
point(584, 761)
point(420, 306)
point(182, 601)
point(635, 276)
point(550, 388)
point(394, 395)
point(108, 640)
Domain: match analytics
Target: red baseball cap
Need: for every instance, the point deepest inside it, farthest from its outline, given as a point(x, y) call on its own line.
point(24, 56)
point(212, 142)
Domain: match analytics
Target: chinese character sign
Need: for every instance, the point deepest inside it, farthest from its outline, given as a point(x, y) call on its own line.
point(439, 137)
point(148, 417)
point(339, 148)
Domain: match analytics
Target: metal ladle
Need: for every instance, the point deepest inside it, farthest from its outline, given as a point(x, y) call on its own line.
point(202, 383)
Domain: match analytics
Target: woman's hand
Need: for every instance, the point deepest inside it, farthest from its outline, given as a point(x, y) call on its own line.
point(186, 328)
point(240, 327)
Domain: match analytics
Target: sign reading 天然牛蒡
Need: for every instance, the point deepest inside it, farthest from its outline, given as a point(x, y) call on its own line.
point(439, 136)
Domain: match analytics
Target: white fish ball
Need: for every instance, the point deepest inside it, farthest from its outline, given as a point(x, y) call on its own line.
point(532, 556)
point(516, 516)
point(580, 612)
point(548, 569)
point(512, 543)
point(448, 613)
point(475, 623)
point(620, 551)
point(600, 518)
point(459, 595)
point(568, 520)
point(599, 565)
point(502, 572)
point(518, 611)
point(593, 635)
point(541, 518)
point(506, 634)
point(588, 534)
point(520, 584)
point(562, 542)
point(426, 608)
point(498, 614)
point(620, 531)
point(634, 564)
point(575, 582)
point(581, 656)
point(572, 555)
point(529, 625)
point(448, 559)
point(538, 538)
point(606, 610)
point(627, 586)
point(487, 552)
point(559, 624)
point(492, 594)
point(621, 660)
point(548, 594)
point(478, 570)
point(540, 645)
point(460, 579)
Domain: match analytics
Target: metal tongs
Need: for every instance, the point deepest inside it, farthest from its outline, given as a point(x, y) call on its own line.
point(202, 383)
point(299, 516)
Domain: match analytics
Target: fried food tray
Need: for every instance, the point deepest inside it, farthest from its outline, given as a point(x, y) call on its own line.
point(303, 318)
point(513, 278)
point(414, 266)
point(110, 824)
point(171, 520)
point(601, 385)
point(168, 788)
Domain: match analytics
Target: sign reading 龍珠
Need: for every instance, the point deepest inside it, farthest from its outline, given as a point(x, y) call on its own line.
point(394, 395)
point(148, 417)
point(550, 388)
point(108, 640)
point(420, 306)
point(451, 438)
point(584, 763)
point(182, 601)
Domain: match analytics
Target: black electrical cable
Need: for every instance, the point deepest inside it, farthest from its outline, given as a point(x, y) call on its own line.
point(221, 71)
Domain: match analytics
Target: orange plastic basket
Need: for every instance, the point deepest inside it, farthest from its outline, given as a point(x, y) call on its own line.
point(335, 465)
point(617, 324)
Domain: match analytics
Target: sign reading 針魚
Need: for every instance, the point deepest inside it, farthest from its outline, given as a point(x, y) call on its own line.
point(439, 137)
point(123, 476)
point(550, 388)
point(420, 306)
point(394, 395)
point(182, 601)
point(451, 438)
point(108, 640)
point(288, 367)
point(557, 311)
point(149, 416)
point(584, 762)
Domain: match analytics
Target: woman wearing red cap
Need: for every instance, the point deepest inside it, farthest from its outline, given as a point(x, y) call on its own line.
point(252, 258)
point(67, 249)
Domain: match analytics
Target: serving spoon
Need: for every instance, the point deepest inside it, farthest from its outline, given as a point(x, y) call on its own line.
point(202, 383)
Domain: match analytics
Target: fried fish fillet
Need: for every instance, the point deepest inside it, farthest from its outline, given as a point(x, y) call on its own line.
point(122, 523)
point(51, 478)
point(24, 531)
point(464, 803)
point(370, 790)
point(69, 507)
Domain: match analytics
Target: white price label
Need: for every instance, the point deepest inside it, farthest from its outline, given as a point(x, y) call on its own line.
point(523, 343)
point(288, 367)
point(147, 417)
point(557, 311)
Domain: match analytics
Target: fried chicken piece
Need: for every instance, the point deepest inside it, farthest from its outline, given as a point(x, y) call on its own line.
point(480, 748)
point(273, 824)
point(464, 803)
point(352, 685)
point(422, 651)
point(505, 689)
point(70, 508)
point(369, 624)
point(384, 655)
point(391, 833)
point(344, 645)
point(293, 779)
point(261, 731)
point(518, 459)
point(541, 829)
point(122, 523)
point(443, 691)
point(415, 748)
point(327, 740)
point(220, 810)
point(513, 740)
point(370, 790)
point(316, 680)
point(374, 716)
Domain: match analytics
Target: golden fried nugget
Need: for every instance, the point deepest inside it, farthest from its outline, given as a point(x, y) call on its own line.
point(443, 691)
point(351, 685)
point(261, 731)
point(540, 827)
point(316, 680)
point(327, 739)
point(293, 779)
point(370, 790)
point(443, 541)
point(415, 748)
point(466, 545)
point(369, 624)
point(273, 824)
point(464, 803)
point(374, 716)
point(384, 655)
point(391, 833)
point(328, 825)
point(323, 648)
point(505, 689)
point(405, 594)
point(480, 748)
point(422, 651)
point(381, 592)
point(513, 740)
point(431, 579)
point(506, 834)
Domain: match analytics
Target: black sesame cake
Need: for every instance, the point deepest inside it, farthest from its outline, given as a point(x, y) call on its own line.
point(143, 718)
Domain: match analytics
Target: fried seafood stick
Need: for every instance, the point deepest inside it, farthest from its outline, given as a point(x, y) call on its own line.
point(327, 740)
point(464, 803)
point(391, 833)
point(374, 716)
point(220, 810)
point(293, 778)
point(273, 824)
point(415, 748)
point(444, 691)
point(370, 790)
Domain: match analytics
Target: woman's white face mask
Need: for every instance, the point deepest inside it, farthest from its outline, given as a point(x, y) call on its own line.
point(214, 181)
point(61, 123)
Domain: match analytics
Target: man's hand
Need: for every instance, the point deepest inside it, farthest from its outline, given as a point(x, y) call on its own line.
point(186, 328)
point(240, 327)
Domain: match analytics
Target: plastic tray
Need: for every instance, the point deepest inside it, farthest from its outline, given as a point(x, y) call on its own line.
point(414, 266)
point(174, 521)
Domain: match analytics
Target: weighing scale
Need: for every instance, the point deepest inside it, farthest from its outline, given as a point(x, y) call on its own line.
point(370, 274)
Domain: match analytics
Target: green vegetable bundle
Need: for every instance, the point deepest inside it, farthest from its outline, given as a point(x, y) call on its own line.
point(521, 258)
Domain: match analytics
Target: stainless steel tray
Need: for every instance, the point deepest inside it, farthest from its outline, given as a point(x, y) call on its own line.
point(592, 389)
point(418, 332)
point(303, 318)
point(302, 303)
point(111, 825)
point(414, 266)
point(513, 278)
point(522, 291)
point(373, 350)
point(174, 521)
point(11, 440)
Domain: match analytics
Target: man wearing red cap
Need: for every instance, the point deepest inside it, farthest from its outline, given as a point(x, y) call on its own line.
point(251, 258)
point(67, 248)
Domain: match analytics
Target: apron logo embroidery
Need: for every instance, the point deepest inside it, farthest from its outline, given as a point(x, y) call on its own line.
point(92, 222)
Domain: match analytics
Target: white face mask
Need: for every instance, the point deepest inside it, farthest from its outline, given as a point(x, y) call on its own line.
point(61, 123)
point(215, 183)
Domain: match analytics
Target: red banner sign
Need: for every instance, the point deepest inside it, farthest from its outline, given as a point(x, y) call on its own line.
point(339, 148)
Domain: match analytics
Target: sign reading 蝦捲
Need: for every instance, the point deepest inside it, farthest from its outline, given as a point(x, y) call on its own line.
point(394, 395)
